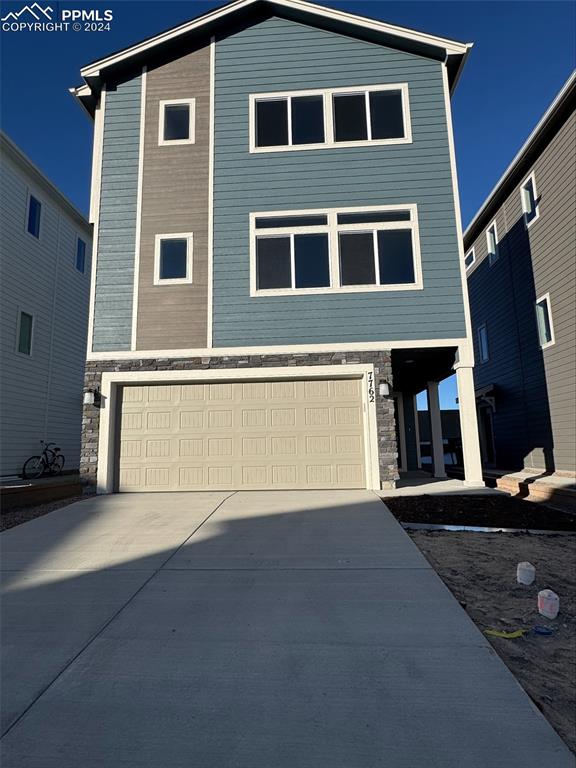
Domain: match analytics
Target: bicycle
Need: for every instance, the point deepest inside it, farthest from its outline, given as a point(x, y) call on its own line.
point(51, 461)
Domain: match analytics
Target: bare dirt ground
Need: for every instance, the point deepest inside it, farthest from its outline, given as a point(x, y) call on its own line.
point(480, 571)
point(13, 517)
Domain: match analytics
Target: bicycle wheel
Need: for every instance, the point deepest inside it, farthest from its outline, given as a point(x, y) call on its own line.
point(33, 468)
point(57, 465)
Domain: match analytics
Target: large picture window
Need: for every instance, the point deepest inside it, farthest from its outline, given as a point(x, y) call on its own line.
point(359, 249)
point(329, 118)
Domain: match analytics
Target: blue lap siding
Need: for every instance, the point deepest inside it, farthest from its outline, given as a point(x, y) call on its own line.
point(278, 55)
point(117, 228)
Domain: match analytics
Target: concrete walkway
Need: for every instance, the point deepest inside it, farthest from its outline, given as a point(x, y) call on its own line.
point(254, 630)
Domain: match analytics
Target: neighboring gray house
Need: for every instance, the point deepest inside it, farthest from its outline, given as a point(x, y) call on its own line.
point(279, 265)
point(521, 262)
point(45, 262)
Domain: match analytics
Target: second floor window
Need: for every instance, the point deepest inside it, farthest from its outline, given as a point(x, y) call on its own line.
point(492, 243)
point(529, 200)
point(173, 259)
point(345, 250)
point(330, 118)
point(24, 333)
point(34, 216)
point(177, 122)
point(544, 320)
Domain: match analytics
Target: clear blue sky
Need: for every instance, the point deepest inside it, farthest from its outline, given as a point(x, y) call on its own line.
point(523, 52)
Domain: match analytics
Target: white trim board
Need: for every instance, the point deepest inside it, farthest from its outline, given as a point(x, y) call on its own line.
point(112, 381)
point(462, 345)
point(210, 289)
point(452, 47)
point(136, 286)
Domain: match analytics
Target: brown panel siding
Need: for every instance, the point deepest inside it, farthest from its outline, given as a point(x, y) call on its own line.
point(175, 199)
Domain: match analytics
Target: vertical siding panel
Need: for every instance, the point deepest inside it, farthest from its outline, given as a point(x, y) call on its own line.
point(278, 55)
point(117, 226)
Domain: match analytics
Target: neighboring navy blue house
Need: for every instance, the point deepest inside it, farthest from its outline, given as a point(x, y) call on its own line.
point(279, 262)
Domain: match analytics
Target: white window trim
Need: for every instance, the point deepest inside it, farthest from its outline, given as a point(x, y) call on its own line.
point(484, 328)
point(80, 271)
point(492, 257)
point(20, 311)
point(191, 103)
point(332, 229)
point(473, 252)
point(546, 298)
point(189, 237)
point(29, 194)
point(530, 178)
point(327, 94)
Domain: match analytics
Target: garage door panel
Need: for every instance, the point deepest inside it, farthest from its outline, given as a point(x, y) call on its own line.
point(242, 435)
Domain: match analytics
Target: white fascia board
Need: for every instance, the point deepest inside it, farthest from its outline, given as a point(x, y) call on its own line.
point(451, 47)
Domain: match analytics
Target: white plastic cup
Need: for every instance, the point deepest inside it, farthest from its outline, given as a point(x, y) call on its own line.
point(525, 573)
point(548, 603)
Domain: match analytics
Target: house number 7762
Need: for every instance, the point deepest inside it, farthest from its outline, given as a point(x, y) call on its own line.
point(371, 392)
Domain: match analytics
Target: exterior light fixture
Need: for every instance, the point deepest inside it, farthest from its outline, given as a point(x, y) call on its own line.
point(92, 397)
point(384, 389)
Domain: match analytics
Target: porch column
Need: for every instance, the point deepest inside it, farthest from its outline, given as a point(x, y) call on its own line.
point(436, 430)
point(469, 426)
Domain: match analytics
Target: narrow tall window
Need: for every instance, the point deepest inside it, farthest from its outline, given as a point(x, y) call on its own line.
point(529, 200)
point(80, 255)
point(483, 344)
point(177, 122)
point(492, 243)
point(34, 215)
point(24, 341)
point(544, 320)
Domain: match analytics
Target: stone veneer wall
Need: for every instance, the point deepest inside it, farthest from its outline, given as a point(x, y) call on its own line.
point(387, 448)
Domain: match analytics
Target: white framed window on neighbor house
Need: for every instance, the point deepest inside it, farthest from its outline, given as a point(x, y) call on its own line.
point(173, 258)
point(33, 216)
point(374, 248)
point(483, 351)
point(529, 197)
point(80, 260)
point(328, 118)
point(470, 258)
point(177, 122)
point(492, 243)
point(544, 321)
point(24, 332)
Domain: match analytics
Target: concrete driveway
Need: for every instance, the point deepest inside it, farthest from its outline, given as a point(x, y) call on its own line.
point(254, 630)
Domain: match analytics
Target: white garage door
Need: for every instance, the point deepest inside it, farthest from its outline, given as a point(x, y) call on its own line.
point(242, 435)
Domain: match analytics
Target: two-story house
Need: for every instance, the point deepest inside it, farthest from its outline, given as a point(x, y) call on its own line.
point(45, 262)
point(279, 264)
point(521, 264)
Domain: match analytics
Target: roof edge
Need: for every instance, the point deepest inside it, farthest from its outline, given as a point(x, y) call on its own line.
point(559, 100)
point(11, 148)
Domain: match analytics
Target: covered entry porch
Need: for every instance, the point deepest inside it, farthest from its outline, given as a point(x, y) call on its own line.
point(422, 370)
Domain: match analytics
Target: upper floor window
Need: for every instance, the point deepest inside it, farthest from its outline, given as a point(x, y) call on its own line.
point(544, 320)
point(470, 258)
point(80, 255)
point(173, 259)
point(34, 216)
point(330, 118)
point(483, 344)
point(177, 122)
point(358, 249)
point(529, 197)
point(492, 243)
point(24, 333)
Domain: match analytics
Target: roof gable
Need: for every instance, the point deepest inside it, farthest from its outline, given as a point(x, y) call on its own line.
point(222, 20)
